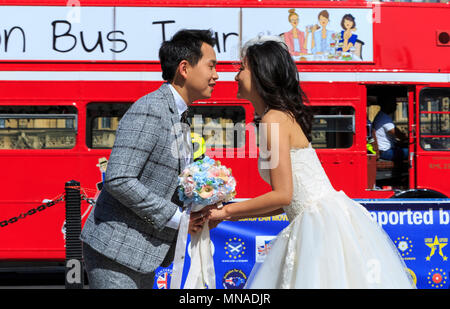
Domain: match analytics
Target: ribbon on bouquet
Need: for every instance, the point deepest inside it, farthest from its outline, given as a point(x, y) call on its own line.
point(201, 272)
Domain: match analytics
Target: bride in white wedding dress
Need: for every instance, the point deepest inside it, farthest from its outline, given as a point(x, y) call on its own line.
point(331, 241)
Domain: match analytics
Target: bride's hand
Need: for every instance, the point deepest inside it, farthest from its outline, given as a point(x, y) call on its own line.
point(206, 212)
point(216, 214)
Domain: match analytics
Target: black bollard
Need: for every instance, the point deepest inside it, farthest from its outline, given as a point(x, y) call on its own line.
point(74, 273)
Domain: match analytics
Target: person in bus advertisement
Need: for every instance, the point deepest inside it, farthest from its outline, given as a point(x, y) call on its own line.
point(295, 39)
point(102, 165)
point(347, 39)
point(321, 41)
point(389, 138)
point(331, 240)
point(132, 229)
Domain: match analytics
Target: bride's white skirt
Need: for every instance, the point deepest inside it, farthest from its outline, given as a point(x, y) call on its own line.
point(333, 243)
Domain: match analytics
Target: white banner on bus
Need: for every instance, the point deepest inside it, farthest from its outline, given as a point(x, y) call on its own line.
point(136, 33)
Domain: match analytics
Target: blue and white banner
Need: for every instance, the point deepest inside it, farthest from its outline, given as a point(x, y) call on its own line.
point(418, 227)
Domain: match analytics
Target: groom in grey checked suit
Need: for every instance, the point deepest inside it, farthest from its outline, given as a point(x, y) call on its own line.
point(133, 227)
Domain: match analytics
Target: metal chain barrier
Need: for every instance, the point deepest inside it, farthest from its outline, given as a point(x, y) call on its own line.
point(47, 205)
point(32, 211)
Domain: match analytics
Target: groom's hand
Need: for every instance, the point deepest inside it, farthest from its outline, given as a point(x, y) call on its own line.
point(207, 212)
point(196, 221)
point(213, 223)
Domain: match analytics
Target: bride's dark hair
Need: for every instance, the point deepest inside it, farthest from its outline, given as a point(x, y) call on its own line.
point(276, 79)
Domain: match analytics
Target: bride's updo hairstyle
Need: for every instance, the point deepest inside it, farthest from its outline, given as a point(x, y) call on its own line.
point(276, 78)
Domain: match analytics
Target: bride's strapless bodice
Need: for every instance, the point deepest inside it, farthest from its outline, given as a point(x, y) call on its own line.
point(309, 180)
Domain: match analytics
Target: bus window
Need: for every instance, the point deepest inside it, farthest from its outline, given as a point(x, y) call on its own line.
point(435, 119)
point(101, 124)
point(38, 127)
point(333, 126)
point(220, 126)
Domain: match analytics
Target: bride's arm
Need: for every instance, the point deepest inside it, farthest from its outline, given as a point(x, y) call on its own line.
point(278, 145)
point(277, 212)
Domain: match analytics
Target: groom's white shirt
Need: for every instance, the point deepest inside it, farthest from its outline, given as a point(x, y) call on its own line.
point(174, 222)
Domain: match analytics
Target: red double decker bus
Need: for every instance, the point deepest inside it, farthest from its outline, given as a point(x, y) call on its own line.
point(70, 69)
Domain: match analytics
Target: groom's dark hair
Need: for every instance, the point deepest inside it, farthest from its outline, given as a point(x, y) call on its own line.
point(184, 45)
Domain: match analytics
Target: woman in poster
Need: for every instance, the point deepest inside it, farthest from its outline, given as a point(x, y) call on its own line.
point(321, 40)
point(295, 39)
point(347, 38)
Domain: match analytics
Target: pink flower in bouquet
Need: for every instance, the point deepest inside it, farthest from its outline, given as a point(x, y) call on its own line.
point(221, 195)
point(189, 186)
point(206, 191)
point(214, 172)
point(224, 174)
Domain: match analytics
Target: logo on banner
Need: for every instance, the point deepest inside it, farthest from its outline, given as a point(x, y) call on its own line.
point(234, 279)
point(405, 246)
point(163, 278)
point(436, 245)
point(263, 245)
point(437, 278)
point(235, 248)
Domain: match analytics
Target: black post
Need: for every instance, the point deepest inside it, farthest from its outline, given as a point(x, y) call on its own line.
point(74, 273)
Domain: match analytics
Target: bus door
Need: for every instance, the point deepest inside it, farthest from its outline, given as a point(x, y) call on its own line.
point(432, 151)
point(412, 136)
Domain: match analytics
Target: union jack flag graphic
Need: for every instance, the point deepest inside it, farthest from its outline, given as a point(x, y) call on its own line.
point(229, 281)
point(264, 249)
point(262, 246)
point(162, 281)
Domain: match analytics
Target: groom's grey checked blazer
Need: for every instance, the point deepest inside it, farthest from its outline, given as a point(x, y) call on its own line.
point(128, 221)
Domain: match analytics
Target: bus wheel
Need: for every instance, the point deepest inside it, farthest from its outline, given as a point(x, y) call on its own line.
point(419, 193)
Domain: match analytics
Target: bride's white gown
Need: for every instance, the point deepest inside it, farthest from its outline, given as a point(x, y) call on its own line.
point(331, 241)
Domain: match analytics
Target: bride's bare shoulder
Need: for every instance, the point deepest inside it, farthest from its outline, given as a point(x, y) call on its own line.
point(275, 116)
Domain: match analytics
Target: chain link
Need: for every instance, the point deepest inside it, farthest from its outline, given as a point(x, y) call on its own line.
point(91, 201)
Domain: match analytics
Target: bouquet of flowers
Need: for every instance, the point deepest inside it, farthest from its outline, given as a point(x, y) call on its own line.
point(202, 183)
point(206, 182)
